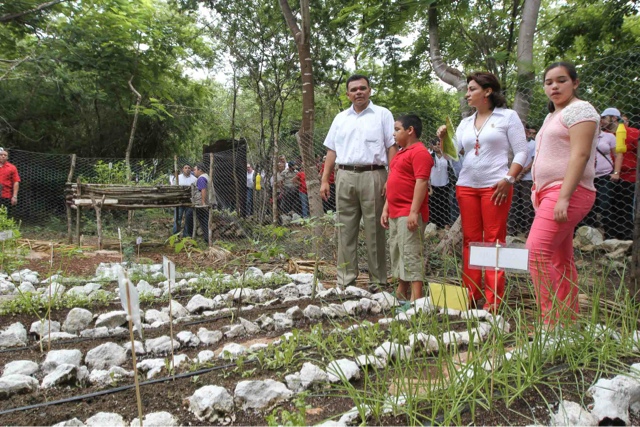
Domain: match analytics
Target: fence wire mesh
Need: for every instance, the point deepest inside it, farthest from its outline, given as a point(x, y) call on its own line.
point(250, 208)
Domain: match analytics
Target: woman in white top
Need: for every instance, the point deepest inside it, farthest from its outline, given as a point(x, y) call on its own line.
point(484, 187)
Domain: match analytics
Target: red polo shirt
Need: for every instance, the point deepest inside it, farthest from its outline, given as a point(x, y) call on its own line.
point(8, 176)
point(408, 165)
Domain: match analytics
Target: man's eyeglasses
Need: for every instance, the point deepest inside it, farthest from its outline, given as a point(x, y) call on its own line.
point(355, 89)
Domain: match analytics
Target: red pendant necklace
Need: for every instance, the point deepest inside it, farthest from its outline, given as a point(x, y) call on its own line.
point(477, 132)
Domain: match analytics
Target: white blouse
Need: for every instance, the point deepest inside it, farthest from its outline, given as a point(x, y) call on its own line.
point(502, 131)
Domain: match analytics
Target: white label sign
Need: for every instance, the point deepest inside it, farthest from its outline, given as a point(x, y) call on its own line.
point(6, 235)
point(507, 257)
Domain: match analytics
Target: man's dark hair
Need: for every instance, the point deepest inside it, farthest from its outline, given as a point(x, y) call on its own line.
point(411, 120)
point(200, 166)
point(356, 77)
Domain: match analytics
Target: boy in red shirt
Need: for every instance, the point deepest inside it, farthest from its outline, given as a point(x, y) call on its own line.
point(406, 210)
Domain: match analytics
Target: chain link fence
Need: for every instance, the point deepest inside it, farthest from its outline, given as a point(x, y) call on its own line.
point(249, 211)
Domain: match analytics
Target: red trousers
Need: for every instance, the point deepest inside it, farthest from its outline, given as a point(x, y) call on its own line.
point(551, 262)
point(482, 221)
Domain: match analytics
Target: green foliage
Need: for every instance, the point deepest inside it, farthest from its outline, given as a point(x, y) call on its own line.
point(282, 417)
point(8, 253)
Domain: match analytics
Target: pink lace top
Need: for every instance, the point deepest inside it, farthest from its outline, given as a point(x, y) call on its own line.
point(553, 146)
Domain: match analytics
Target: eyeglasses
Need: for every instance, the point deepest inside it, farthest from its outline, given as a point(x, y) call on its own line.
point(355, 89)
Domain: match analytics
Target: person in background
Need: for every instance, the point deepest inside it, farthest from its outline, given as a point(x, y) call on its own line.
point(439, 204)
point(406, 211)
point(562, 193)
point(360, 141)
point(9, 183)
point(203, 198)
point(623, 177)
point(521, 214)
point(301, 181)
point(248, 205)
point(186, 178)
point(485, 184)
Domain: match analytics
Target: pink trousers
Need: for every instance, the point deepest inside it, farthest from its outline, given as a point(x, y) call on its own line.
point(482, 221)
point(550, 244)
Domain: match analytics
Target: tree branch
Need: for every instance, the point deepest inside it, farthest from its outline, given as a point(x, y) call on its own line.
point(291, 21)
point(446, 73)
point(14, 16)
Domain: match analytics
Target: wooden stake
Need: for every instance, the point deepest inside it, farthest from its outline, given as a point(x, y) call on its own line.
point(68, 208)
point(120, 240)
point(133, 348)
point(78, 215)
point(210, 220)
point(171, 277)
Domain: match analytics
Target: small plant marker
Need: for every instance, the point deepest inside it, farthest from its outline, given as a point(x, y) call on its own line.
point(120, 241)
point(127, 294)
point(138, 243)
point(170, 273)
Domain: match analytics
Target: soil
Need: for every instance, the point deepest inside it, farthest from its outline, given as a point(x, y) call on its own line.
point(172, 395)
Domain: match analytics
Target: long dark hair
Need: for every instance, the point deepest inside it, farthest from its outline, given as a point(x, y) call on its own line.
point(573, 75)
point(486, 81)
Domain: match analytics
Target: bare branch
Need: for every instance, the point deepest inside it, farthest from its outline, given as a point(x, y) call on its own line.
point(14, 66)
point(13, 16)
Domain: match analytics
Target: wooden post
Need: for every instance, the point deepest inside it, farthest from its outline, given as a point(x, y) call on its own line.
point(274, 188)
point(210, 221)
point(78, 212)
point(133, 350)
point(98, 207)
point(176, 173)
point(66, 204)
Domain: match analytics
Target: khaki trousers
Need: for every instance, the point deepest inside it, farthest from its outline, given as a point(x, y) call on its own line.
point(359, 195)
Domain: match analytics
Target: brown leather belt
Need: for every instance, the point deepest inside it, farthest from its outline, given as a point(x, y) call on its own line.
point(360, 168)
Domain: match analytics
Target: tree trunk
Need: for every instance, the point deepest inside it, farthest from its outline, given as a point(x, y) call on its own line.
point(305, 134)
point(127, 156)
point(526, 75)
point(446, 73)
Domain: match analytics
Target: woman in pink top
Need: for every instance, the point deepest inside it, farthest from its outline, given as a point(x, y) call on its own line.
point(563, 192)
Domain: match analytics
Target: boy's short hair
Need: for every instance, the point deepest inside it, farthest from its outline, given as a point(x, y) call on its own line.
point(200, 166)
point(411, 120)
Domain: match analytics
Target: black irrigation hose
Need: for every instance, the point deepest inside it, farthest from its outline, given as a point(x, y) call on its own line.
point(130, 386)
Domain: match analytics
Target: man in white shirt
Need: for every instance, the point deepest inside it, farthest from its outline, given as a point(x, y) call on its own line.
point(439, 210)
point(360, 144)
point(248, 207)
point(185, 178)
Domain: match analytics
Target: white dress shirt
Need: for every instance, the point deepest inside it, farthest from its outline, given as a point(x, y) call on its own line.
point(250, 179)
point(361, 139)
point(183, 180)
point(531, 152)
point(439, 172)
point(503, 130)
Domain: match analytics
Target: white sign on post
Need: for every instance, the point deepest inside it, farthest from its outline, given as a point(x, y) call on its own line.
point(6, 235)
point(498, 256)
point(129, 299)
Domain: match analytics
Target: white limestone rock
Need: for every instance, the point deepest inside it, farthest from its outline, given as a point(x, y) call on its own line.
point(211, 404)
point(205, 356)
point(232, 351)
point(358, 292)
point(61, 357)
point(188, 339)
point(425, 341)
point(451, 338)
point(63, 374)
point(424, 305)
point(254, 274)
point(260, 395)
point(312, 312)
point(179, 360)
point(24, 287)
point(105, 356)
point(233, 331)
point(8, 288)
point(95, 332)
point(152, 316)
point(265, 322)
point(198, 304)
point(40, 328)
point(386, 300)
point(160, 345)
point(287, 291)
point(263, 295)
point(365, 360)
point(294, 313)
point(344, 369)
point(16, 384)
point(55, 336)
point(105, 419)
point(73, 422)
point(572, 414)
point(208, 337)
point(156, 419)
point(243, 294)
point(351, 307)
point(612, 398)
point(333, 311)
point(77, 320)
point(108, 378)
point(112, 319)
point(177, 310)
point(14, 336)
point(250, 327)
point(20, 367)
point(282, 322)
point(137, 345)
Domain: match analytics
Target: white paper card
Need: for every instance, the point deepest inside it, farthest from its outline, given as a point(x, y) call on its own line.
point(6, 235)
point(123, 282)
point(508, 258)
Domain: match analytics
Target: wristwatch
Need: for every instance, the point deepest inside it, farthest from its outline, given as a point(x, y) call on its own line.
point(511, 180)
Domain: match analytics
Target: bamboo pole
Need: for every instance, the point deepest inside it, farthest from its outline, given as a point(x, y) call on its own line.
point(210, 221)
point(67, 207)
point(78, 214)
